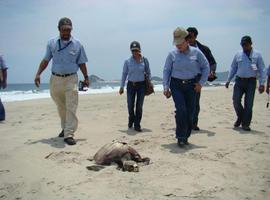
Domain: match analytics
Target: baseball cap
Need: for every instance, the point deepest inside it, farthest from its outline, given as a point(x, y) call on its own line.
point(135, 46)
point(246, 39)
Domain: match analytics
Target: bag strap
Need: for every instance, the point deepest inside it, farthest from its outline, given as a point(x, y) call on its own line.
point(146, 65)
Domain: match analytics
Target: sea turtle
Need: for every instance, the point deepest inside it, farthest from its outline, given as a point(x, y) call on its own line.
point(120, 153)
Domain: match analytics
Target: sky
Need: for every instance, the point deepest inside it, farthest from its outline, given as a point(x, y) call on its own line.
point(107, 27)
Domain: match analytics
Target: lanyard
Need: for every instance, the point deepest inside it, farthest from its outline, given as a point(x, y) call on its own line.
point(62, 48)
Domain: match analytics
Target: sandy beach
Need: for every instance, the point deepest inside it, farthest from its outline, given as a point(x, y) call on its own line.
point(220, 163)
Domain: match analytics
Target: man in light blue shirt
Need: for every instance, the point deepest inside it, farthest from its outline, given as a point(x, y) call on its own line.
point(3, 84)
point(68, 56)
point(247, 66)
point(185, 72)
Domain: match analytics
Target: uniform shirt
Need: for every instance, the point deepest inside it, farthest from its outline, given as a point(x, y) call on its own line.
point(185, 66)
point(135, 71)
point(245, 66)
point(2, 63)
point(268, 72)
point(66, 57)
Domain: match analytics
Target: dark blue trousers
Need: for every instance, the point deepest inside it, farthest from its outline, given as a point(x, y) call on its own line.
point(197, 108)
point(184, 99)
point(135, 94)
point(2, 111)
point(241, 87)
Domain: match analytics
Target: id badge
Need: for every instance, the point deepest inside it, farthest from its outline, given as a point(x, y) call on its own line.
point(254, 67)
point(193, 57)
point(73, 52)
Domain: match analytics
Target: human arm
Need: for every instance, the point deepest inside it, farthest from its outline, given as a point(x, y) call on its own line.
point(167, 71)
point(232, 72)
point(42, 66)
point(124, 77)
point(83, 69)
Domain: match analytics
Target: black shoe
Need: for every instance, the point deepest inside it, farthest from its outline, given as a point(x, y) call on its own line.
point(138, 129)
point(61, 134)
point(246, 128)
point(196, 128)
point(186, 142)
point(237, 123)
point(130, 124)
point(180, 143)
point(70, 141)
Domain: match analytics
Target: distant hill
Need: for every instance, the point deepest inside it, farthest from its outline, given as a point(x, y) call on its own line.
point(222, 76)
point(156, 78)
point(94, 78)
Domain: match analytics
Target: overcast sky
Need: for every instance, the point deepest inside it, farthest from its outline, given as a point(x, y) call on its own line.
point(106, 28)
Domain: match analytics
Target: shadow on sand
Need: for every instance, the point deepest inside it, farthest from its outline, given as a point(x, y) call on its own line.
point(174, 148)
point(55, 142)
point(203, 131)
point(131, 131)
point(240, 130)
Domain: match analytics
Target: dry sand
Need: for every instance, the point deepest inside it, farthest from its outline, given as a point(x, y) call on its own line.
point(220, 163)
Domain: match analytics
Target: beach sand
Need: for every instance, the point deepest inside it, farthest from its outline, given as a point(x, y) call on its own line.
point(220, 163)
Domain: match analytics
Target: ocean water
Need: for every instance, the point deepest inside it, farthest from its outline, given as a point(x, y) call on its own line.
point(22, 92)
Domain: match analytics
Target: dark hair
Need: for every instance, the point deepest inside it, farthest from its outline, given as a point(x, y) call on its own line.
point(193, 30)
point(64, 21)
point(246, 39)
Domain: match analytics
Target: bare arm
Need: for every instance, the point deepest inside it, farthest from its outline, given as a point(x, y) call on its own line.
point(4, 83)
point(83, 69)
point(43, 65)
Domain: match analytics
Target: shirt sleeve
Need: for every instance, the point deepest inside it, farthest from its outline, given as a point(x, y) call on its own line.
point(147, 68)
point(167, 71)
point(261, 69)
point(204, 66)
point(124, 74)
point(48, 55)
point(82, 56)
point(233, 69)
point(268, 72)
point(2, 63)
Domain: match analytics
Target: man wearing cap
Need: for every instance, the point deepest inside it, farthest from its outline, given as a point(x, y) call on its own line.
point(3, 84)
point(246, 66)
point(67, 56)
point(182, 66)
point(134, 70)
point(193, 33)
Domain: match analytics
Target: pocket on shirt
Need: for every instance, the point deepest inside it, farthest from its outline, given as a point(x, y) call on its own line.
point(72, 56)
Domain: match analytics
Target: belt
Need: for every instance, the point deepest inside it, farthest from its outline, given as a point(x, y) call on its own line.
point(246, 79)
point(184, 81)
point(134, 83)
point(62, 75)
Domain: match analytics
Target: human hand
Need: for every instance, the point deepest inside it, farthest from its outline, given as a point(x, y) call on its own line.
point(86, 82)
point(37, 80)
point(197, 87)
point(121, 90)
point(261, 89)
point(227, 84)
point(167, 93)
point(3, 84)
